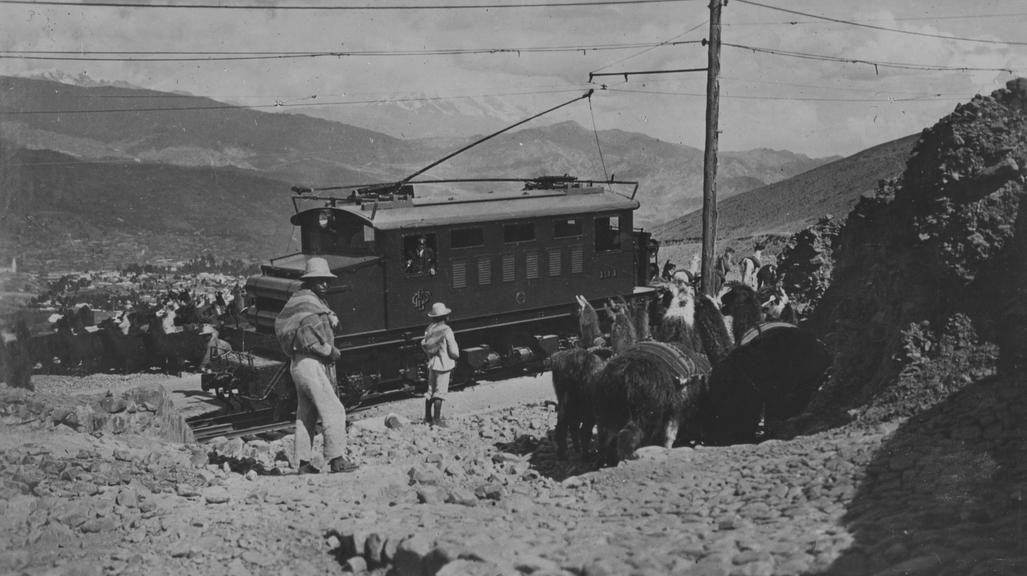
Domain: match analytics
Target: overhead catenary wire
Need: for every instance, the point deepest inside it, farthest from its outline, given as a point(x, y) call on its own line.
point(648, 50)
point(275, 105)
point(925, 98)
point(876, 64)
point(586, 95)
point(881, 28)
point(194, 5)
point(218, 56)
point(935, 18)
point(595, 130)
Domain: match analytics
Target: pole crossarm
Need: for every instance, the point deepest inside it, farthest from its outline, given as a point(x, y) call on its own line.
point(592, 75)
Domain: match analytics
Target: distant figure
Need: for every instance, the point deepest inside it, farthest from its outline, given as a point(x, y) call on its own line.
point(17, 356)
point(751, 266)
point(654, 273)
point(722, 267)
point(439, 343)
point(422, 259)
point(668, 270)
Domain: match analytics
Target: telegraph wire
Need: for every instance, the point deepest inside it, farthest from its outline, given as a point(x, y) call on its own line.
point(882, 28)
point(183, 56)
point(896, 19)
point(275, 105)
point(558, 4)
point(875, 64)
point(648, 50)
point(792, 99)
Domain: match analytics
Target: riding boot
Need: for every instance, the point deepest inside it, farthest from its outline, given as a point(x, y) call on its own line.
point(439, 420)
point(427, 410)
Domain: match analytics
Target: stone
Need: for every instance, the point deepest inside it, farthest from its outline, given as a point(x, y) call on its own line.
point(462, 496)
point(395, 421)
point(186, 491)
point(430, 495)
point(127, 498)
point(410, 555)
point(216, 496)
point(259, 558)
point(373, 549)
point(353, 544)
point(437, 558)
point(356, 565)
point(97, 525)
point(465, 567)
point(425, 475)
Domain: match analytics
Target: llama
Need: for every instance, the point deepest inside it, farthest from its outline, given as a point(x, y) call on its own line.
point(573, 371)
point(766, 276)
point(644, 394)
point(774, 369)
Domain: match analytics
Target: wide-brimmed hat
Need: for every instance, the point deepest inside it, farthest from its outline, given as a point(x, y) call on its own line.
point(317, 268)
point(439, 309)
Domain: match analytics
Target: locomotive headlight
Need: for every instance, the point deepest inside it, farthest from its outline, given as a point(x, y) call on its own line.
point(324, 218)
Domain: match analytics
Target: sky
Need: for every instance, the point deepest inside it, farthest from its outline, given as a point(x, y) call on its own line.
point(814, 107)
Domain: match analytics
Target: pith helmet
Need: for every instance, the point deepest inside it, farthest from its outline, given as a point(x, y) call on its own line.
point(317, 268)
point(439, 309)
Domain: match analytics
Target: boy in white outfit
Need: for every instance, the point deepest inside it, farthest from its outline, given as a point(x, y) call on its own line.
point(440, 345)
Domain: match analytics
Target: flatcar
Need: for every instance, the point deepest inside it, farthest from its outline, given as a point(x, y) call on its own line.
point(509, 264)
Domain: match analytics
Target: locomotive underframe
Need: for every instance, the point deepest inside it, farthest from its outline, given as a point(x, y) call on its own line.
point(376, 366)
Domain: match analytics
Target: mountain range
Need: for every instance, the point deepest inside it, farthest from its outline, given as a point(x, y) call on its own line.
point(785, 207)
point(125, 172)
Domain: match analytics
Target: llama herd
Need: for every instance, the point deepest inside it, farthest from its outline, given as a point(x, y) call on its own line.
point(683, 370)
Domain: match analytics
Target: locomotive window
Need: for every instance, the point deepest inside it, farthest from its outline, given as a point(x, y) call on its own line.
point(419, 254)
point(607, 233)
point(521, 232)
point(567, 228)
point(467, 237)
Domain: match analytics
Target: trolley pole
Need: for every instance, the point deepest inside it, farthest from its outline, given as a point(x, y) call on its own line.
point(709, 187)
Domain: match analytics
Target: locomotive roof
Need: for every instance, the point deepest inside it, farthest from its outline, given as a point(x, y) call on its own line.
point(424, 212)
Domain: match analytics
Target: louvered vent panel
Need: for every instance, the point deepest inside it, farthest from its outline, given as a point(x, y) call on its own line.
point(459, 274)
point(577, 259)
point(508, 268)
point(554, 262)
point(484, 271)
point(531, 260)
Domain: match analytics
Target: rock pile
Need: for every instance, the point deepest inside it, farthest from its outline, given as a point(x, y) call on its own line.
point(143, 410)
point(806, 263)
point(928, 279)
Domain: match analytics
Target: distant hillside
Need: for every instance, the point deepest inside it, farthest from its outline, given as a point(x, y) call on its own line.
point(670, 175)
point(788, 206)
point(149, 157)
point(57, 212)
point(194, 132)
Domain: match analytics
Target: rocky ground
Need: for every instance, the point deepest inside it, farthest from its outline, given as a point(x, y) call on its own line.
point(939, 494)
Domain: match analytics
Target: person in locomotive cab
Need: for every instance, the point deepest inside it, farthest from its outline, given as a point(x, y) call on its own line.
point(439, 343)
point(305, 331)
point(422, 258)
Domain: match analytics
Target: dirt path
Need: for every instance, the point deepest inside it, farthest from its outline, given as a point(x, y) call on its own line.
point(488, 496)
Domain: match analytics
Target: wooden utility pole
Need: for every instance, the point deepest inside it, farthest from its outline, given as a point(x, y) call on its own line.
point(709, 184)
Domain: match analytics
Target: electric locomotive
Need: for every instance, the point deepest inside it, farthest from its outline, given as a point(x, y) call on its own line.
point(509, 264)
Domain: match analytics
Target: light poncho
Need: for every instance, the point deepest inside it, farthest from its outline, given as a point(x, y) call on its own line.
point(440, 345)
point(303, 323)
